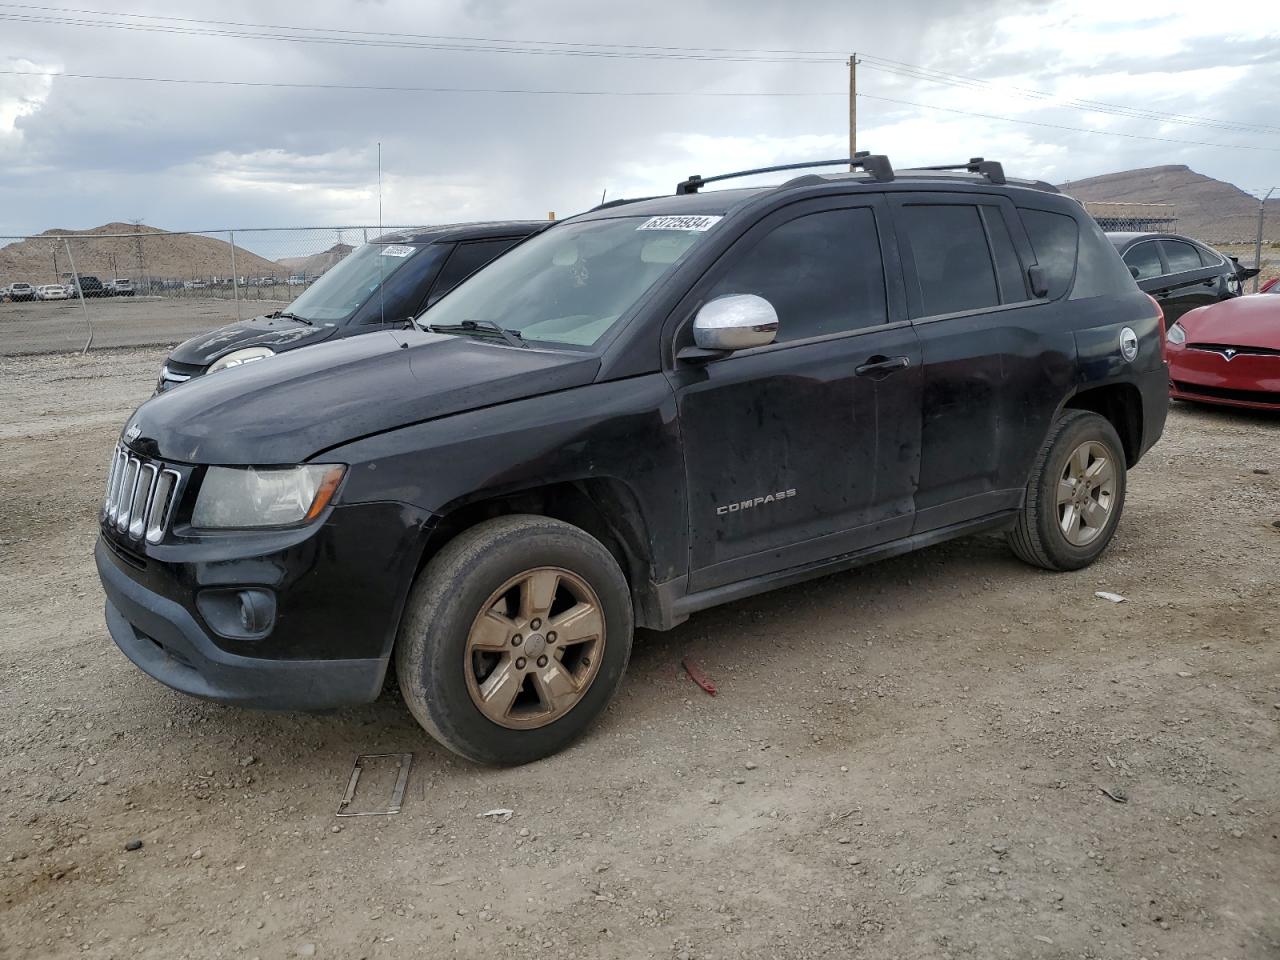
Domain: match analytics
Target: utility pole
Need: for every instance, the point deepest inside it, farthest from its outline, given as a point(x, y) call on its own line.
point(853, 107)
point(1257, 247)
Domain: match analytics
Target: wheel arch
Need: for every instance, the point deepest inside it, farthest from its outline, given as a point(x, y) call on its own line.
point(604, 507)
point(1121, 405)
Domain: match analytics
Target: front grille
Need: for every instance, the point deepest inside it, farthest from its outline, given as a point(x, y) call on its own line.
point(1221, 393)
point(140, 497)
point(1227, 349)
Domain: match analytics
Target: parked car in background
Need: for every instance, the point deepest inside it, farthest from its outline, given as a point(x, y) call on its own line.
point(644, 411)
point(380, 284)
point(89, 286)
point(1179, 272)
point(1228, 353)
point(52, 291)
point(1270, 286)
point(296, 281)
point(122, 287)
point(19, 291)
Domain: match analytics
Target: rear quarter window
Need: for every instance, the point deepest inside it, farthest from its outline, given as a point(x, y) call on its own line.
point(1054, 239)
point(1100, 271)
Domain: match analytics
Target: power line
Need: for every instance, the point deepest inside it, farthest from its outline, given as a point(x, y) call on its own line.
point(391, 88)
point(623, 93)
point(1059, 126)
point(470, 44)
point(439, 46)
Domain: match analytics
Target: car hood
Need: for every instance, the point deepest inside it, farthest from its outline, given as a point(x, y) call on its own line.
point(275, 332)
point(1252, 321)
point(289, 408)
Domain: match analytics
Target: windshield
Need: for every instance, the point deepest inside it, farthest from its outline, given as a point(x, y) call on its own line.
point(349, 283)
point(570, 284)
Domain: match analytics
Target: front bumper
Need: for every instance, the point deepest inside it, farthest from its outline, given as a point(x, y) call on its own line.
point(165, 641)
point(1247, 380)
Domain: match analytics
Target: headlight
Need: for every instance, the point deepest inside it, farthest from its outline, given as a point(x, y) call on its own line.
point(264, 497)
point(1177, 334)
point(238, 357)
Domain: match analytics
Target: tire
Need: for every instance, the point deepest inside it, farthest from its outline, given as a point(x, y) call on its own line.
point(445, 679)
point(1038, 537)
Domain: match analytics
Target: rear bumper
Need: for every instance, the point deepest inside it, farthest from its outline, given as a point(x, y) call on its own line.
point(167, 643)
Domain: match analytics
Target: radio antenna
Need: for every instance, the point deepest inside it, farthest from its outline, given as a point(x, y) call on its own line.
point(382, 277)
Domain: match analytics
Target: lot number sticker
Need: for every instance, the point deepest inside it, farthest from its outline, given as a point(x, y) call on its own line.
point(690, 224)
point(396, 250)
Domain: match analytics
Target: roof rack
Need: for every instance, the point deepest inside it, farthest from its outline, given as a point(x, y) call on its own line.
point(991, 169)
point(877, 167)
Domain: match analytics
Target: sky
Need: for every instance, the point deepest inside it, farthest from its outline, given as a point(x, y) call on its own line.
point(76, 152)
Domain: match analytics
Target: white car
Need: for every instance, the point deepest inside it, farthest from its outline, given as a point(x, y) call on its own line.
point(122, 287)
point(52, 291)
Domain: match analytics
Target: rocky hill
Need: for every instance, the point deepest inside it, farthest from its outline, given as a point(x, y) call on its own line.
point(1208, 209)
point(317, 263)
point(143, 253)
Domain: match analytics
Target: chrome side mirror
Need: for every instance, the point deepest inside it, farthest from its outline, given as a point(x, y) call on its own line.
point(736, 321)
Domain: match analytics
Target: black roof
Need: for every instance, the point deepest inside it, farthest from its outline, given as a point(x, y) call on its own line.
point(449, 232)
point(875, 172)
point(1126, 238)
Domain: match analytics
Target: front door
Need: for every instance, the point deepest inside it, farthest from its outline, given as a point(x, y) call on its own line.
point(807, 448)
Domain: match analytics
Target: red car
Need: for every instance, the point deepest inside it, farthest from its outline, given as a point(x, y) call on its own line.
point(1228, 353)
point(1270, 286)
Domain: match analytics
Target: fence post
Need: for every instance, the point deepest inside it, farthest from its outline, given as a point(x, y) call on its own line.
point(75, 275)
point(235, 278)
point(1257, 247)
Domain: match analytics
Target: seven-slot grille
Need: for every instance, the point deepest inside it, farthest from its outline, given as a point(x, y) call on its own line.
point(140, 497)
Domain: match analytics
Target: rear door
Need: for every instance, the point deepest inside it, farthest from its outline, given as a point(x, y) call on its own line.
point(996, 360)
point(808, 447)
point(1188, 281)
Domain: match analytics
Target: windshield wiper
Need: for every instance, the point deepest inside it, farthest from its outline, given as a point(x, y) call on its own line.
point(511, 337)
point(286, 315)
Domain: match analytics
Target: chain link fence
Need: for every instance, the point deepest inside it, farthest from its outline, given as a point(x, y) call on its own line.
point(1134, 217)
point(154, 286)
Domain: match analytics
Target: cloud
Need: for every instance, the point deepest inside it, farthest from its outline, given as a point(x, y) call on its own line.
point(80, 152)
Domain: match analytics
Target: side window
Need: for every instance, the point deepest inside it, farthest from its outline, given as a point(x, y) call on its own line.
point(1209, 258)
point(467, 258)
point(1054, 239)
point(1013, 284)
point(1100, 271)
point(822, 272)
point(952, 261)
point(1146, 258)
point(1181, 256)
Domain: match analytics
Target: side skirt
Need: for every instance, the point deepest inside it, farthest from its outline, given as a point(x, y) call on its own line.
point(675, 605)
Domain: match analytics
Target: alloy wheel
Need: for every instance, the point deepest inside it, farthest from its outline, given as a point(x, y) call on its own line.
point(1086, 493)
point(534, 648)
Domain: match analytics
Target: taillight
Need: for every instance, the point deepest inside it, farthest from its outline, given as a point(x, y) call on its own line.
point(1164, 330)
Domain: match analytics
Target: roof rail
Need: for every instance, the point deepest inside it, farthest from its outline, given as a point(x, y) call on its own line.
point(876, 165)
point(991, 169)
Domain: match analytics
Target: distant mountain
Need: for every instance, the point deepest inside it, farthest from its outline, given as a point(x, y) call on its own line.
point(143, 253)
point(317, 263)
point(1207, 209)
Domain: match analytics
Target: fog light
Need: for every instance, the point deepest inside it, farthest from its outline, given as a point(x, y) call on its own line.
point(238, 614)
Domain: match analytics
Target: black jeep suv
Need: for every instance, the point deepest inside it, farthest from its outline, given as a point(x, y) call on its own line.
point(385, 283)
point(643, 411)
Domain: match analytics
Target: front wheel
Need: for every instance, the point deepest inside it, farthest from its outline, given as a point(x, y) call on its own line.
point(515, 638)
point(1075, 495)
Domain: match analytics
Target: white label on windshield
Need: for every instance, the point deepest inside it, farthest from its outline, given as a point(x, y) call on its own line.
point(691, 224)
point(396, 250)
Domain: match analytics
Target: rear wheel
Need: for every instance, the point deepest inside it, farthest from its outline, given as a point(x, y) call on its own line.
point(1075, 495)
point(515, 638)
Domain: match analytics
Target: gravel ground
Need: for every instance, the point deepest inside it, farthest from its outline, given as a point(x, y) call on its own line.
point(904, 761)
point(58, 326)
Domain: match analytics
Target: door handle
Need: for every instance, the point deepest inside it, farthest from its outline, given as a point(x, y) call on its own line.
point(879, 367)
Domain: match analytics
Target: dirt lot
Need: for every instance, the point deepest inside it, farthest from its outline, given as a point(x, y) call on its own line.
point(56, 326)
point(904, 761)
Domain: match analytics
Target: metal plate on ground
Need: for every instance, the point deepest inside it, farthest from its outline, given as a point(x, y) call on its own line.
point(382, 775)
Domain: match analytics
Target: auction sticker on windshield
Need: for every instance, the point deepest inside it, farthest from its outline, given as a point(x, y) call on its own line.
point(396, 250)
point(692, 224)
